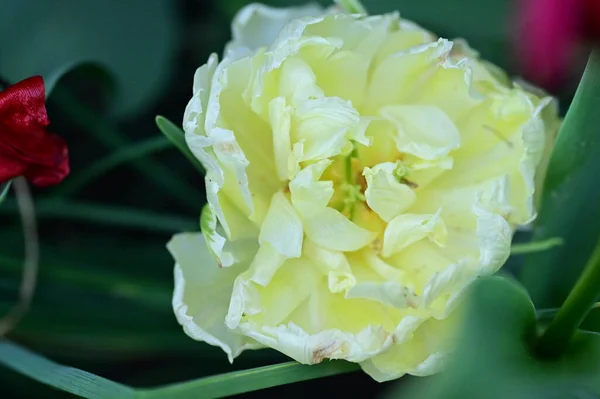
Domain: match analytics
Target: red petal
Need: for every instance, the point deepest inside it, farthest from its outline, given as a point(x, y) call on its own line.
point(26, 149)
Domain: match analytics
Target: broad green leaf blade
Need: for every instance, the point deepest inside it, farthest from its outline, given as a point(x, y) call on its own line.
point(4, 189)
point(134, 40)
point(117, 158)
point(494, 359)
point(68, 379)
point(106, 133)
point(569, 207)
point(108, 215)
point(88, 385)
point(249, 380)
point(176, 136)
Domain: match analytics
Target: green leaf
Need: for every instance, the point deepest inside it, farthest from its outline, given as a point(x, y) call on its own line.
point(67, 379)
point(494, 360)
point(91, 386)
point(4, 189)
point(249, 380)
point(352, 6)
point(177, 137)
point(591, 322)
point(535, 246)
point(569, 208)
point(134, 40)
point(121, 156)
point(108, 215)
point(106, 133)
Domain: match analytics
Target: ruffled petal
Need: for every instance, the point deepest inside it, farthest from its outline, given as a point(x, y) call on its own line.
point(310, 195)
point(282, 228)
point(425, 353)
point(423, 131)
point(258, 25)
point(201, 296)
point(408, 228)
point(385, 194)
point(334, 231)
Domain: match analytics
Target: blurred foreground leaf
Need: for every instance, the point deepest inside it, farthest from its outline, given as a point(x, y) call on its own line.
point(121, 156)
point(571, 196)
point(591, 322)
point(4, 188)
point(88, 385)
point(108, 215)
point(106, 133)
point(535, 246)
point(493, 359)
point(135, 40)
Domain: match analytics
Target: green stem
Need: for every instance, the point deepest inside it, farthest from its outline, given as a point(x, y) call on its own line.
point(556, 337)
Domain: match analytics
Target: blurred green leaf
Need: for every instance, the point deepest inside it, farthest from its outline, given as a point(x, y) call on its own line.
point(177, 137)
point(134, 40)
point(4, 189)
point(91, 386)
point(122, 155)
point(249, 380)
point(493, 359)
point(591, 322)
point(109, 215)
point(570, 201)
point(68, 379)
point(106, 133)
point(535, 246)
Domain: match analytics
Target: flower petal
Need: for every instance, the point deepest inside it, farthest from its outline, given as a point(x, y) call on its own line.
point(408, 228)
point(424, 131)
point(424, 354)
point(201, 296)
point(280, 115)
point(385, 194)
point(333, 264)
point(282, 228)
point(258, 25)
point(310, 195)
point(265, 264)
point(325, 125)
point(26, 148)
point(334, 231)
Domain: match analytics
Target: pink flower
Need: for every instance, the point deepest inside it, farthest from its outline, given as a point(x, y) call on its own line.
point(550, 33)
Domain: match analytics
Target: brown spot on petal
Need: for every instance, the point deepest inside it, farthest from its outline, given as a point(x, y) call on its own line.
point(377, 245)
point(409, 183)
point(361, 181)
point(321, 353)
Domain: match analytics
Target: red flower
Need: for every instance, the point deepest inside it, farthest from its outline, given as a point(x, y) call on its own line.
point(26, 148)
point(551, 32)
